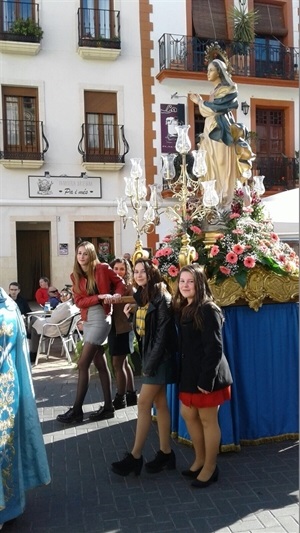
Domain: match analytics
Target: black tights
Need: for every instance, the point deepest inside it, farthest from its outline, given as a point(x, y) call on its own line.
point(92, 352)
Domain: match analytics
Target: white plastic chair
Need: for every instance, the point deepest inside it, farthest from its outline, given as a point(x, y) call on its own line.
point(66, 338)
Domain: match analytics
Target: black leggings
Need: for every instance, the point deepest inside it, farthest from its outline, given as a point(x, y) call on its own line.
point(92, 352)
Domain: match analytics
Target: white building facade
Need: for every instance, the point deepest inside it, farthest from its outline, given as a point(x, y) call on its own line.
point(97, 90)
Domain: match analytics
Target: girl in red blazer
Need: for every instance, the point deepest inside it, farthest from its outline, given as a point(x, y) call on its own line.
point(93, 285)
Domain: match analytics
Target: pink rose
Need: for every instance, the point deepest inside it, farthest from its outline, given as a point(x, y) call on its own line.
point(159, 253)
point(249, 262)
point(232, 258)
point(224, 270)
point(214, 250)
point(167, 238)
point(234, 215)
point(196, 230)
point(167, 251)
point(238, 231)
point(155, 262)
point(274, 237)
point(173, 271)
point(238, 249)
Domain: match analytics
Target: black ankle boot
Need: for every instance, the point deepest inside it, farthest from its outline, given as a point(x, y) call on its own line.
point(70, 417)
point(162, 460)
point(127, 465)
point(120, 401)
point(131, 398)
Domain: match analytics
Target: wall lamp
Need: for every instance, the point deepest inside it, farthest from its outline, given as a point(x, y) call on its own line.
point(245, 108)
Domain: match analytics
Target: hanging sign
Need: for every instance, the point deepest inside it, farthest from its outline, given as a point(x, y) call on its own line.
point(64, 187)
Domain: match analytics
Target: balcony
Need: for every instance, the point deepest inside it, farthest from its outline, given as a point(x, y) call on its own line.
point(24, 144)
point(103, 146)
point(281, 173)
point(99, 34)
point(260, 60)
point(20, 32)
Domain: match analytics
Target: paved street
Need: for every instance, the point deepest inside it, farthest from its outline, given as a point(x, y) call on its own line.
point(257, 489)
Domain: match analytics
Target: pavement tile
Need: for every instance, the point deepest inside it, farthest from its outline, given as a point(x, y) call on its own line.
point(257, 490)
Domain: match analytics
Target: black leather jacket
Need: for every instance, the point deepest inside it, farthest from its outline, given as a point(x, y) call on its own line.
point(160, 340)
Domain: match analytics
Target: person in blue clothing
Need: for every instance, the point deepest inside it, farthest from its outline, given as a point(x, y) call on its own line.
point(205, 376)
point(24, 462)
point(54, 297)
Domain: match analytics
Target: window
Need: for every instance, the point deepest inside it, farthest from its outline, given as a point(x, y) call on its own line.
point(269, 57)
point(12, 10)
point(209, 19)
point(96, 21)
point(20, 125)
point(101, 123)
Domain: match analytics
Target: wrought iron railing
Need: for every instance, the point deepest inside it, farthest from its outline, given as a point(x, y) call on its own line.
point(103, 143)
point(19, 21)
point(23, 139)
point(99, 28)
point(282, 172)
point(260, 60)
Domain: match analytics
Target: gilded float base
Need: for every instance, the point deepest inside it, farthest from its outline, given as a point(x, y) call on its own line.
point(262, 285)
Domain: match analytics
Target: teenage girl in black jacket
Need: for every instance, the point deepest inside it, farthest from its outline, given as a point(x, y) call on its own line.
point(154, 327)
point(205, 375)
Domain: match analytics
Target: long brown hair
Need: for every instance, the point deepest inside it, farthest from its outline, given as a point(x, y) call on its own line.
point(78, 273)
point(203, 295)
point(128, 269)
point(155, 283)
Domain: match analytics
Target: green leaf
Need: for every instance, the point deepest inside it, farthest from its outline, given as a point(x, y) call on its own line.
point(241, 277)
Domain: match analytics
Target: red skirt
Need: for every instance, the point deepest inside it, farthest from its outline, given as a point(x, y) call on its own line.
point(198, 399)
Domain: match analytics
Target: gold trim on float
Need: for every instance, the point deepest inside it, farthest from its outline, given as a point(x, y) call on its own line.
point(262, 285)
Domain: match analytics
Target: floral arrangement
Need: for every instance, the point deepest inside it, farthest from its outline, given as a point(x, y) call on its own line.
point(248, 239)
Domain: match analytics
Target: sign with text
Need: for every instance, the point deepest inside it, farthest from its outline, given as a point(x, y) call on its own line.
point(170, 116)
point(64, 187)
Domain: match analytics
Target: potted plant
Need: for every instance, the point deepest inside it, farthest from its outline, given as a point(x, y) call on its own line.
point(109, 42)
point(243, 28)
point(27, 28)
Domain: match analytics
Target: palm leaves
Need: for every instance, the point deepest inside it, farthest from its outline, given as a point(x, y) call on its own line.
point(243, 24)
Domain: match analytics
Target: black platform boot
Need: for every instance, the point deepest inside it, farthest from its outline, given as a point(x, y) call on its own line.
point(120, 401)
point(162, 460)
point(127, 465)
point(131, 398)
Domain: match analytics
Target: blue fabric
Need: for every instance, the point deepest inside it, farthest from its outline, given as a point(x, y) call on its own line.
point(262, 350)
point(23, 457)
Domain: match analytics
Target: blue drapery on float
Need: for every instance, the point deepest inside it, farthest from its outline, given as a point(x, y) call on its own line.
point(23, 462)
point(262, 350)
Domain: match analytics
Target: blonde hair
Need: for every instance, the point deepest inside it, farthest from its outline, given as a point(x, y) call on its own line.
point(78, 273)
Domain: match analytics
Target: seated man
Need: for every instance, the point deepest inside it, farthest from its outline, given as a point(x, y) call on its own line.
point(14, 292)
point(54, 297)
point(41, 294)
point(64, 310)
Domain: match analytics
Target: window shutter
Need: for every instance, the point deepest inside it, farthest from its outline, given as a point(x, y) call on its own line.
point(209, 19)
point(271, 20)
point(100, 102)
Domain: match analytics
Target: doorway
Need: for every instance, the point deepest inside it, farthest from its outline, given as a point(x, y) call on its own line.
point(33, 256)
